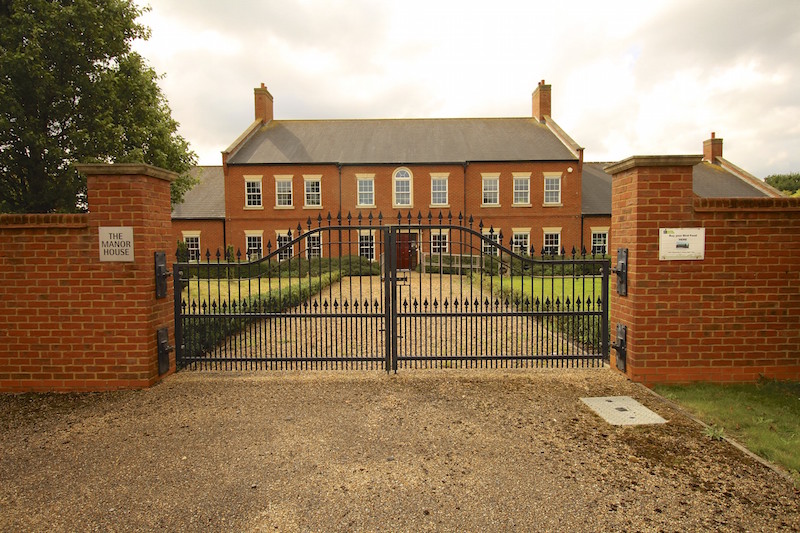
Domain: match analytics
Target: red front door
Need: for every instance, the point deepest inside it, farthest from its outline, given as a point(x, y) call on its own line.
point(406, 251)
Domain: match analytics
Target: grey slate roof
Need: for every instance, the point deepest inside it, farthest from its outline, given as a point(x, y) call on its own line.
point(456, 140)
point(206, 199)
point(713, 181)
point(596, 189)
point(709, 181)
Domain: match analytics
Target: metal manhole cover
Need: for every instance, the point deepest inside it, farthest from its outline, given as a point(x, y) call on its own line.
point(622, 411)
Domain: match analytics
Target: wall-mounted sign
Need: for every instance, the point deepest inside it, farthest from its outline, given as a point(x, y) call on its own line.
point(675, 244)
point(116, 244)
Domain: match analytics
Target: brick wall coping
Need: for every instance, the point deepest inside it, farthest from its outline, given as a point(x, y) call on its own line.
point(747, 204)
point(654, 161)
point(126, 169)
point(44, 220)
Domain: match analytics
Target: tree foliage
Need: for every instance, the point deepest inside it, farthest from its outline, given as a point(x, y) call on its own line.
point(787, 183)
point(73, 90)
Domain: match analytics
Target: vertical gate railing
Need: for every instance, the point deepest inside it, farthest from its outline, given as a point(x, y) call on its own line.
point(332, 295)
point(477, 301)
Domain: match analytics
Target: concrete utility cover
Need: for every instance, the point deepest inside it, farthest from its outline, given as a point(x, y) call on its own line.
point(622, 411)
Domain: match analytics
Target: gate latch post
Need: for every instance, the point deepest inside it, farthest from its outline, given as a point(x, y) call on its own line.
point(621, 270)
point(621, 346)
point(162, 273)
point(164, 349)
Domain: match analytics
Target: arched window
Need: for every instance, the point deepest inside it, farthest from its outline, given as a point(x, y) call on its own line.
point(402, 188)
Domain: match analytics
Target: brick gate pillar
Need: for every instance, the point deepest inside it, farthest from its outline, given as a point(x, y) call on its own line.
point(126, 312)
point(648, 193)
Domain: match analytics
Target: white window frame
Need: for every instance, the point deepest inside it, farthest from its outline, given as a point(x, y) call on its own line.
point(371, 235)
point(194, 235)
point(488, 179)
point(551, 178)
point(600, 231)
point(250, 197)
point(442, 244)
point(309, 248)
point(440, 177)
point(551, 232)
point(280, 180)
point(365, 178)
point(520, 178)
point(486, 248)
point(316, 179)
point(515, 247)
point(284, 236)
point(253, 234)
point(397, 179)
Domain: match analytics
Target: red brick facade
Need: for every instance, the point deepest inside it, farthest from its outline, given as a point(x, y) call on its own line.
point(210, 232)
point(464, 196)
point(70, 322)
point(733, 316)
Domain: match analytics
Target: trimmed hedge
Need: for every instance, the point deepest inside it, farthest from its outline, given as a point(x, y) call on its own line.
point(202, 333)
point(296, 267)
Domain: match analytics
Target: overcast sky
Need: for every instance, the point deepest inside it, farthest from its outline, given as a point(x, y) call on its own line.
point(628, 77)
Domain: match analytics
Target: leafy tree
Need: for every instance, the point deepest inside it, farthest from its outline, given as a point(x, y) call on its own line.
point(72, 90)
point(787, 183)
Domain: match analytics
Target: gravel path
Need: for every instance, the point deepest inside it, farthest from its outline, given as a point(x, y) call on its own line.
point(423, 327)
point(366, 451)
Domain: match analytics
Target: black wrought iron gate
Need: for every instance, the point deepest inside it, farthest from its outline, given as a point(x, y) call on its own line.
point(332, 296)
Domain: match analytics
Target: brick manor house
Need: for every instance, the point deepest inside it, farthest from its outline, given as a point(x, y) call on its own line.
point(522, 177)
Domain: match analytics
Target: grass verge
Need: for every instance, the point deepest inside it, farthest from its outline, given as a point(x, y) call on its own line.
point(548, 288)
point(764, 417)
point(553, 294)
point(204, 331)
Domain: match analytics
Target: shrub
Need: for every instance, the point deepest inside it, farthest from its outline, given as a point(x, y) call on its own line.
point(296, 267)
point(202, 333)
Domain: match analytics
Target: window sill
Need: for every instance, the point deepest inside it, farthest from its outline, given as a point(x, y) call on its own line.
point(439, 206)
point(521, 205)
point(312, 207)
point(364, 206)
point(254, 208)
point(553, 205)
point(403, 206)
point(491, 205)
point(283, 207)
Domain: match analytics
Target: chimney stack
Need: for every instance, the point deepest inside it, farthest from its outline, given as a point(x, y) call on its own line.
point(541, 101)
point(712, 149)
point(263, 104)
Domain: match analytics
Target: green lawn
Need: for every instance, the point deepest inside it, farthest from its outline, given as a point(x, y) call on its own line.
point(764, 417)
point(236, 290)
point(548, 287)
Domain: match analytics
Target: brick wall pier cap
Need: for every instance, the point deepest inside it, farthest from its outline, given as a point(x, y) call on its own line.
point(732, 316)
point(69, 321)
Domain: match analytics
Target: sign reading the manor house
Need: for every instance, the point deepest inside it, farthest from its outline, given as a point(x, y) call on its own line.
point(675, 244)
point(116, 244)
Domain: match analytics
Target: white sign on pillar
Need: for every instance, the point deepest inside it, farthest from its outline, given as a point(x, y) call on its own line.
point(681, 244)
point(116, 244)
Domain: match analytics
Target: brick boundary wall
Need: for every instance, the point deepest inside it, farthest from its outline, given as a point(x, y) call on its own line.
point(732, 317)
point(69, 322)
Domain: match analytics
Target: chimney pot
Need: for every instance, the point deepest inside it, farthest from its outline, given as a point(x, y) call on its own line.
point(263, 104)
point(712, 149)
point(541, 102)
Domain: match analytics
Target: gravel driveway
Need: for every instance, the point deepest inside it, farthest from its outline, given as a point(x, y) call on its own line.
point(418, 451)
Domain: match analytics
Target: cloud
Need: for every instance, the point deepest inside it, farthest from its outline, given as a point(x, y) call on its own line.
point(628, 77)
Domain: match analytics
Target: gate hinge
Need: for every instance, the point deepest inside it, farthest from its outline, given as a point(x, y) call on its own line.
point(621, 270)
point(164, 349)
point(162, 273)
point(620, 344)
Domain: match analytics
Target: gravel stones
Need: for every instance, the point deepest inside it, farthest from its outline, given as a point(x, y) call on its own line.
point(444, 450)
